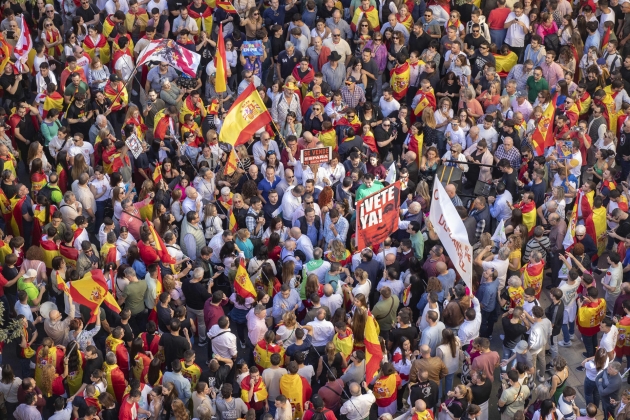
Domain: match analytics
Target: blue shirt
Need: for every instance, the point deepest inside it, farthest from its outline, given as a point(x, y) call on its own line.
point(265, 186)
point(487, 295)
point(274, 17)
point(593, 41)
point(289, 304)
point(311, 232)
point(141, 270)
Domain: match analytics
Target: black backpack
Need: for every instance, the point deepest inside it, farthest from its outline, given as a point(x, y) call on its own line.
point(46, 191)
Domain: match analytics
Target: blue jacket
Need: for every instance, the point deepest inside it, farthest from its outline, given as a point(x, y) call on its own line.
point(487, 295)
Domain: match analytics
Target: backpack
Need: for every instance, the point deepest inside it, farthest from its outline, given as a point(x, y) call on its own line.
point(552, 43)
point(47, 191)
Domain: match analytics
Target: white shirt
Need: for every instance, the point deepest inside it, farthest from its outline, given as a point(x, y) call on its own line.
point(396, 286)
point(323, 332)
point(86, 148)
point(388, 107)
point(25, 310)
point(333, 302)
point(125, 65)
point(501, 268)
point(216, 243)
point(111, 7)
point(458, 136)
point(490, 135)
point(500, 205)
point(358, 408)
point(259, 152)
point(225, 344)
point(469, 330)
point(290, 203)
point(609, 339)
point(423, 324)
point(188, 23)
point(304, 244)
point(515, 35)
point(160, 4)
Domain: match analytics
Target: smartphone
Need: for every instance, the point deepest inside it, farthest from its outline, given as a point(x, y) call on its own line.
point(10, 34)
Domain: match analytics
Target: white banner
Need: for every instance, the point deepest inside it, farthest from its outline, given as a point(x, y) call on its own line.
point(451, 231)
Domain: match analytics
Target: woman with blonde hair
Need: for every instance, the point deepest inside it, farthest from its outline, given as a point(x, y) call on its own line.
point(506, 107)
point(252, 23)
point(98, 74)
point(422, 195)
point(515, 244)
point(337, 252)
point(456, 403)
point(52, 39)
point(244, 243)
point(173, 287)
point(363, 286)
point(535, 116)
point(80, 167)
point(134, 117)
point(52, 384)
point(286, 329)
point(490, 96)
point(429, 128)
point(211, 221)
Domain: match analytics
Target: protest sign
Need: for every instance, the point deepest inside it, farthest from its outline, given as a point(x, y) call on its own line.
point(452, 232)
point(250, 48)
point(377, 216)
point(316, 156)
point(134, 145)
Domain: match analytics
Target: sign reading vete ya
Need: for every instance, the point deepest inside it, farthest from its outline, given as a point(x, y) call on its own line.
point(452, 232)
point(377, 216)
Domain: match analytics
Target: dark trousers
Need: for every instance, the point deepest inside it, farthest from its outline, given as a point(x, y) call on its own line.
point(488, 319)
point(590, 342)
point(138, 322)
point(555, 264)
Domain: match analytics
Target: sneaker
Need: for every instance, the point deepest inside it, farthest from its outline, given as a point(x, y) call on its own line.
point(580, 368)
point(564, 343)
point(242, 344)
point(572, 337)
point(202, 343)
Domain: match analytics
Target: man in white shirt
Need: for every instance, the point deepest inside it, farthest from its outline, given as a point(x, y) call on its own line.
point(387, 103)
point(499, 263)
point(331, 299)
point(469, 330)
point(517, 23)
point(291, 200)
point(217, 242)
point(609, 339)
point(541, 329)
point(113, 5)
point(487, 131)
point(612, 280)
point(323, 331)
point(500, 205)
point(124, 64)
point(222, 338)
point(391, 280)
point(192, 202)
point(81, 146)
point(358, 406)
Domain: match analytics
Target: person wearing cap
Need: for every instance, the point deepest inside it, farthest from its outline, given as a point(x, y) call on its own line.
point(352, 94)
point(334, 71)
point(522, 105)
point(34, 292)
point(316, 405)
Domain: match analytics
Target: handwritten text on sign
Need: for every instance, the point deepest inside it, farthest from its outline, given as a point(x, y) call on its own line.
point(316, 156)
point(378, 216)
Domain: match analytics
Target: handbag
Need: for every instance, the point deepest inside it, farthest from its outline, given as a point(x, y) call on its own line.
point(29, 352)
point(502, 409)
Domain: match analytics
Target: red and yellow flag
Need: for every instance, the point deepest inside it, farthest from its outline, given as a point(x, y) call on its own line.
point(160, 248)
point(51, 250)
point(192, 373)
point(297, 390)
point(69, 253)
point(386, 389)
point(203, 19)
point(504, 63)
point(263, 352)
point(533, 276)
point(52, 101)
point(119, 97)
point(61, 285)
point(16, 216)
point(328, 138)
point(590, 315)
point(596, 226)
point(227, 6)
point(399, 80)
point(5, 52)
point(92, 291)
point(373, 350)
point(426, 100)
point(220, 63)
point(102, 46)
point(157, 174)
point(108, 253)
point(623, 338)
point(141, 365)
point(230, 164)
point(117, 346)
point(246, 116)
point(529, 215)
point(543, 134)
point(243, 286)
point(116, 383)
point(344, 344)
point(370, 14)
point(260, 390)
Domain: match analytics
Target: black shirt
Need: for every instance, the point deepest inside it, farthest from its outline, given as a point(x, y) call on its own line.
point(539, 193)
point(510, 181)
point(512, 332)
point(10, 273)
point(481, 393)
point(623, 148)
point(410, 333)
point(91, 365)
point(277, 46)
point(174, 347)
point(380, 134)
point(75, 112)
point(419, 43)
point(87, 14)
point(196, 294)
point(624, 228)
point(164, 317)
point(425, 391)
point(215, 379)
point(287, 64)
point(6, 81)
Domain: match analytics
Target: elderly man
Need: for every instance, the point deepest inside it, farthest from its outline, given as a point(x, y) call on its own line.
point(256, 325)
point(57, 329)
point(70, 209)
point(130, 217)
point(331, 299)
point(501, 204)
point(192, 202)
point(323, 331)
point(100, 124)
point(264, 145)
point(608, 383)
point(451, 191)
point(509, 152)
point(499, 263)
point(303, 243)
point(334, 70)
point(556, 237)
point(358, 406)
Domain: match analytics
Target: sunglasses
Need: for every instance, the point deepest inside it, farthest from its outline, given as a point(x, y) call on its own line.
point(475, 32)
point(336, 35)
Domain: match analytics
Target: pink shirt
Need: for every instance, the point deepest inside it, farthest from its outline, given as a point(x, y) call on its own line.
point(525, 108)
point(133, 221)
point(38, 266)
point(256, 327)
point(552, 73)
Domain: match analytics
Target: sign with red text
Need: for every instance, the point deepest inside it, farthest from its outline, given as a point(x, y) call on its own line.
point(316, 156)
point(377, 216)
point(452, 232)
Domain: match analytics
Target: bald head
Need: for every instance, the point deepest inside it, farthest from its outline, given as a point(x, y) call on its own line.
point(355, 389)
point(451, 190)
point(425, 350)
point(328, 290)
point(295, 232)
point(420, 406)
point(441, 267)
point(415, 208)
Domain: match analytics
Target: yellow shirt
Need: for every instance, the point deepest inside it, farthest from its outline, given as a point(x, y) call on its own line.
point(516, 254)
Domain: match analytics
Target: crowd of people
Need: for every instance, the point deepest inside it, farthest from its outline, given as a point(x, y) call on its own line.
point(105, 163)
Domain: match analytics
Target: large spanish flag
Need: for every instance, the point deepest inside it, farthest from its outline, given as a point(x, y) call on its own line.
point(415, 144)
point(591, 314)
point(504, 63)
point(373, 351)
point(203, 20)
point(426, 100)
point(344, 343)
point(370, 14)
point(52, 101)
point(117, 346)
point(54, 356)
point(260, 390)
point(91, 291)
point(543, 134)
point(529, 215)
point(159, 246)
point(585, 203)
point(596, 226)
point(16, 216)
point(386, 389)
point(242, 284)
point(247, 115)
point(399, 80)
point(263, 352)
point(188, 107)
point(220, 62)
point(230, 164)
point(119, 97)
point(51, 250)
point(609, 111)
point(108, 26)
point(116, 383)
point(533, 276)
point(297, 390)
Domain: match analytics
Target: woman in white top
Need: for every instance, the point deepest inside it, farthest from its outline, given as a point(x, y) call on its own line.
point(123, 243)
point(608, 142)
point(176, 205)
point(118, 195)
point(286, 330)
point(255, 264)
point(448, 351)
point(592, 367)
point(443, 115)
point(9, 386)
point(278, 227)
point(364, 285)
point(212, 222)
point(334, 170)
point(401, 359)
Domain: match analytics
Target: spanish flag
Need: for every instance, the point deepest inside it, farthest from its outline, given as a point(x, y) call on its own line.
point(116, 383)
point(16, 216)
point(108, 26)
point(260, 390)
point(529, 215)
point(504, 63)
point(591, 314)
point(153, 346)
point(344, 343)
point(108, 253)
point(38, 180)
point(230, 164)
point(5, 208)
point(118, 101)
point(5, 250)
point(189, 108)
point(5, 52)
point(242, 284)
point(584, 203)
point(9, 163)
point(192, 373)
point(399, 80)
point(162, 124)
point(246, 116)
point(69, 253)
point(373, 351)
point(75, 378)
point(141, 365)
point(355, 123)
point(157, 174)
point(297, 390)
point(370, 14)
point(596, 226)
point(610, 113)
point(328, 138)
point(263, 352)
point(63, 179)
point(102, 46)
point(139, 19)
point(91, 291)
point(533, 276)
point(232, 225)
point(226, 5)
point(426, 100)
point(623, 338)
point(51, 250)
point(52, 101)
point(54, 356)
point(61, 285)
point(117, 346)
point(572, 114)
point(584, 103)
point(415, 144)
point(386, 389)
point(543, 134)
point(606, 39)
point(159, 246)
point(204, 21)
point(309, 100)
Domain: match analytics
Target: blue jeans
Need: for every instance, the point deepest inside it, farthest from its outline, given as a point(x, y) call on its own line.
point(448, 384)
point(99, 215)
point(25, 364)
point(507, 353)
point(591, 394)
point(590, 342)
point(497, 36)
point(568, 330)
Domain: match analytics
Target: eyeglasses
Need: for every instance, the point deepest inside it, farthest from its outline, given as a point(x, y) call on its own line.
point(475, 32)
point(256, 14)
point(48, 25)
point(336, 35)
point(377, 39)
point(395, 37)
point(427, 15)
point(386, 125)
point(364, 26)
point(308, 202)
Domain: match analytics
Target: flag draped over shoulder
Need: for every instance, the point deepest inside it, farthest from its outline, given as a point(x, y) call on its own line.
point(159, 246)
point(529, 215)
point(504, 63)
point(203, 19)
point(220, 62)
point(370, 14)
point(24, 45)
point(596, 226)
point(242, 284)
point(168, 51)
point(263, 352)
point(425, 100)
point(52, 101)
point(623, 338)
point(543, 134)
point(91, 291)
point(230, 164)
point(118, 97)
point(5, 52)
point(328, 138)
point(373, 351)
point(260, 391)
point(116, 383)
point(345, 344)
point(297, 390)
point(399, 80)
point(385, 389)
point(51, 250)
point(69, 253)
point(102, 46)
point(533, 276)
point(247, 115)
point(16, 216)
point(117, 346)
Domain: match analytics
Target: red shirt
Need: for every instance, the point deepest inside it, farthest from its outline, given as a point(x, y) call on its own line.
point(3, 282)
point(128, 411)
point(498, 17)
point(328, 414)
